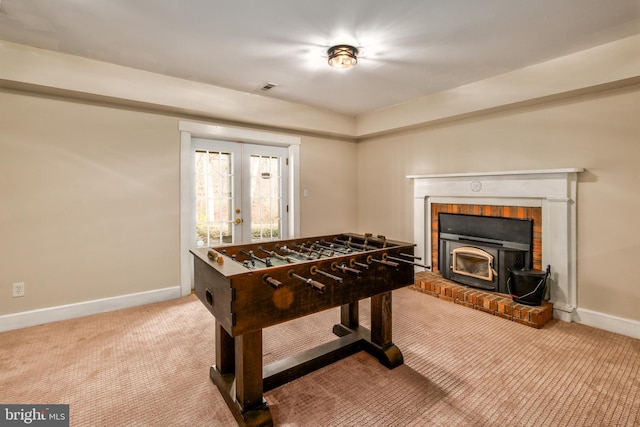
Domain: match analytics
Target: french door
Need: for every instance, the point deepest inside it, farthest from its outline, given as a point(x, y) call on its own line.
point(239, 192)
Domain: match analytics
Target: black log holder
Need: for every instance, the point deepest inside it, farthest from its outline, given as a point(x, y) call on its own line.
point(528, 287)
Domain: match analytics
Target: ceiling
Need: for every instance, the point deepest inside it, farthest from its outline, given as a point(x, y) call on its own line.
point(409, 48)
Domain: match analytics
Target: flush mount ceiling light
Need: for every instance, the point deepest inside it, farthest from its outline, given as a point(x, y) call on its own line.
point(342, 56)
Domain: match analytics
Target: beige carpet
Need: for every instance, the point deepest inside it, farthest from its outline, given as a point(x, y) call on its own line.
point(148, 366)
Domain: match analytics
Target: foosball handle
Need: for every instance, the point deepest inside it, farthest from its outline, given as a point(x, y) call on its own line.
point(316, 285)
point(275, 284)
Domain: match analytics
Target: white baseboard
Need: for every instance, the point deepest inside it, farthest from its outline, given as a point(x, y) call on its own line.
point(85, 308)
point(619, 325)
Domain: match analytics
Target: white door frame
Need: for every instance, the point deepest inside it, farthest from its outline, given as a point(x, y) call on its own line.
point(228, 133)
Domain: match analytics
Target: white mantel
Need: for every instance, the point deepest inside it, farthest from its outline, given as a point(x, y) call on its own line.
point(554, 190)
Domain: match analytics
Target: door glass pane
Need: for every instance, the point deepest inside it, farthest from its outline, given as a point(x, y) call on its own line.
point(214, 198)
point(266, 194)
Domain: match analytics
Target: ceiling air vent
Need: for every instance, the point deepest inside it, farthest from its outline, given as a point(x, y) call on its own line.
point(268, 86)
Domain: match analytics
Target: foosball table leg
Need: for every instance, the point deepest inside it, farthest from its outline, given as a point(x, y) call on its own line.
point(349, 319)
point(238, 376)
point(378, 341)
point(381, 334)
point(225, 351)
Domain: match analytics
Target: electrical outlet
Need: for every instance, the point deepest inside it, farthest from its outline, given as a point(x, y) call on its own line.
point(18, 290)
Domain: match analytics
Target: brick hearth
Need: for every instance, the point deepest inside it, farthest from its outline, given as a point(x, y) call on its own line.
point(490, 302)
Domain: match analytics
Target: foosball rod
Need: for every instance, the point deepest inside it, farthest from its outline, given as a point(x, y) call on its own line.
point(363, 245)
point(384, 240)
point(332, 247)
point(353, 262)
point(321, 249)
point(252, 256)
point(314, 270)
point(314, 284)
point(428, 267)
point(349, 243)
point(244, 263)
point(384, 262)
point(309, 250)
point(409, 256)
point(349, 249)
point(344, 269)
point(275, 255)
point(288, 251)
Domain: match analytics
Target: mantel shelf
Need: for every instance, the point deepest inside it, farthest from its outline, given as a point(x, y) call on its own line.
point(498, 173)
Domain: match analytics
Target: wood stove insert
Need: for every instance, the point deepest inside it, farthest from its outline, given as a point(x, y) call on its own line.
point(477, 250)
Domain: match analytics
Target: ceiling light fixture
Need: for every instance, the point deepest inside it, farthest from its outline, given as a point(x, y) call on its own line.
point(342, 56)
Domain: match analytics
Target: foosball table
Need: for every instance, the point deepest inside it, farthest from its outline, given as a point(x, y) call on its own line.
point(250, 287)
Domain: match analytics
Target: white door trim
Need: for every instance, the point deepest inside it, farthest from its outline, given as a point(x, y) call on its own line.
point(188, 130)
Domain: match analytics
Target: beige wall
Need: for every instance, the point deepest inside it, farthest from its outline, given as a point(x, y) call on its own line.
point(596, 132)
point(89, 199)
point(328, 173)
point(89, 202)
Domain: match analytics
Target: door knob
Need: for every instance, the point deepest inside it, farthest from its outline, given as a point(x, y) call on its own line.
point(238, 221)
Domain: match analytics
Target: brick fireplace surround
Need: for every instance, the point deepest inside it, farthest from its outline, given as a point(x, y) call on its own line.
point(546, 196)
point(517, 212)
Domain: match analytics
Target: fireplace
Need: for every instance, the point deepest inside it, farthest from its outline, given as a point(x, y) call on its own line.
point(478, 250)
point(552, 191)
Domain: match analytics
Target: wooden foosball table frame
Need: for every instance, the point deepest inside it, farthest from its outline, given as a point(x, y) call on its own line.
point(245, 295)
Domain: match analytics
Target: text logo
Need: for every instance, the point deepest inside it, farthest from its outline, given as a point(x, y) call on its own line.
point(34, 415)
